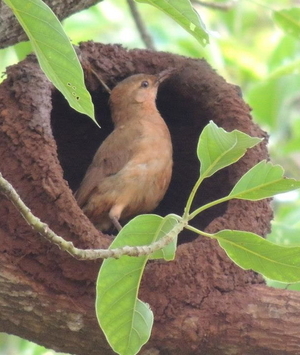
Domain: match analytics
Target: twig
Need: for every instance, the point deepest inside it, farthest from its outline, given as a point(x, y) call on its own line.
point(140, 25)
point(101, 80)
point(82, 254)
point(223, 7)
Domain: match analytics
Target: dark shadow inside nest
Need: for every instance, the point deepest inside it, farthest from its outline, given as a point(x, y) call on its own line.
point(78, 138)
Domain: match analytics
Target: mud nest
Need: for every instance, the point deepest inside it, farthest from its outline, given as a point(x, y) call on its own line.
point(46, 147)
point(188, 101)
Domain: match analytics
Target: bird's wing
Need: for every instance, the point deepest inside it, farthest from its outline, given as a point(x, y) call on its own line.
point(113, 154)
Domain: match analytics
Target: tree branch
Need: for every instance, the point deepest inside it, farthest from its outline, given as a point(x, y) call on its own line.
point(82, 254)
point(146, 38)
point(10, 30)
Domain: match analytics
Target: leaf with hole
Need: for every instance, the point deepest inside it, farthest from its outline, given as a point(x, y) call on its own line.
point(184, 14)
point(54, 51)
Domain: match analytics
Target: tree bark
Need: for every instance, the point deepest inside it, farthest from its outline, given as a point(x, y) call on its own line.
point(202, 302)
point(10, 30)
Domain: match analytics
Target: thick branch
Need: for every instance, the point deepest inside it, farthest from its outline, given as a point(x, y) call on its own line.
point(254, 319)
point(10, 30)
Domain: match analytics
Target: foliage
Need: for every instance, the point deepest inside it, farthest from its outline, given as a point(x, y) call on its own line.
point(17, 346)
point(54, 51)
point(184, 14)
point(125, 320)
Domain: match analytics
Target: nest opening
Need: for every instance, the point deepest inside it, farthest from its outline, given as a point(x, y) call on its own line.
point(78, 138)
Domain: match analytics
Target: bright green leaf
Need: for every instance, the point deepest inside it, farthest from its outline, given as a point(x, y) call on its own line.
point(124, 319)
point(267, 100)
point(54, 51)
point(250, 251)
point(285, 52)
point(289, 21)
point(285, 234)
point(286, 69)
point(262, 181)
point(218, 148)
point(168, 252)
point(184, 14)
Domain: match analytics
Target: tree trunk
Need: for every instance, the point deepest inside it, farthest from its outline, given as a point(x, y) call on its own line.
point(202, 302)
point(11, 31)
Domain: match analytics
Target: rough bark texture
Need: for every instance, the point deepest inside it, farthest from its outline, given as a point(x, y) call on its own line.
point(203, 303)
point(10, 30)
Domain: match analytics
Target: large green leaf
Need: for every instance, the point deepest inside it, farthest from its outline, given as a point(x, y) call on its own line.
point(183, 13)
point(218, 148)
point(250, 251)
point(168, 252)
point(124, 319)
point(54, 51)
point(267, 100)
point(262, 181)
point(292, 67)
point(289, 21)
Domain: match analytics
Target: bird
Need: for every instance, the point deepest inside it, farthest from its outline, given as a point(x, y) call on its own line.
point(131, 170)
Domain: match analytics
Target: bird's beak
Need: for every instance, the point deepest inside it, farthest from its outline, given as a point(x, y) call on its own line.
point(164, 75)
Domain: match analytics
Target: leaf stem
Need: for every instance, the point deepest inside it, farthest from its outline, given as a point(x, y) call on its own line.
point(193, 229)
point(199, 232)
point(208, 205)
point(191, 198)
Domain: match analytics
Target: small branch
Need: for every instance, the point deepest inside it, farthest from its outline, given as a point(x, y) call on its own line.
point(146, 38)
point(223, 7)
point(102, 82)
point(82, 254)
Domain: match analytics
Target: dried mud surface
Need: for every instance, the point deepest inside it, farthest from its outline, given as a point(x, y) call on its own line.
point(45, 148)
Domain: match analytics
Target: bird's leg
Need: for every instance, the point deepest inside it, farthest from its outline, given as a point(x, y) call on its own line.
point(116, 223)
point(115, 214)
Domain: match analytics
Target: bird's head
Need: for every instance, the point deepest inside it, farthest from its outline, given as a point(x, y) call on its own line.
point(138, 89)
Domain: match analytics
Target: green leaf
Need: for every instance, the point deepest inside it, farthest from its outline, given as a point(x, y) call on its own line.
point(250, 251)
point(285, 234)
point(271, 108)
point(262, 181)
point(285, 53)
point(54, 51)
point(265, 97)
point(218, 148)
point(289, 21)
point(184, 14)
point(124, 319)
point(286, 69)
point(168, 252)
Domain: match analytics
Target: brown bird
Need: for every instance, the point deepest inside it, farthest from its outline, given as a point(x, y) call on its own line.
point(132, 168)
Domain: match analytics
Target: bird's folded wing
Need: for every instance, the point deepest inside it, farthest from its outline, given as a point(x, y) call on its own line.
point(114, 153)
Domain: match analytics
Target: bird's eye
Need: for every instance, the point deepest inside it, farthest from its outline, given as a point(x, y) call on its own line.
point(144, 84)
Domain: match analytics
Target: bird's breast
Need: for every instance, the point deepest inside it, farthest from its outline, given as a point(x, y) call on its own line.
point(142, 166)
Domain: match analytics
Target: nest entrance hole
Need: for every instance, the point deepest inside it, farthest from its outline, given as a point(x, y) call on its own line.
point(78, 138)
